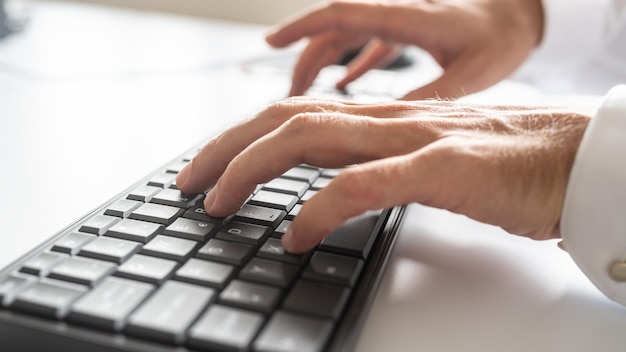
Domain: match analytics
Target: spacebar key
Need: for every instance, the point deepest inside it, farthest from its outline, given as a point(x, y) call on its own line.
point(356, 236)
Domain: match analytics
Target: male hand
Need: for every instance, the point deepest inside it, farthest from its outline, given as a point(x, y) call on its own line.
point(506, 166)
point(476, 42)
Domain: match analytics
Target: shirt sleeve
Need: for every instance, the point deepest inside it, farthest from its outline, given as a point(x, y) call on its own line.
point(593, 222)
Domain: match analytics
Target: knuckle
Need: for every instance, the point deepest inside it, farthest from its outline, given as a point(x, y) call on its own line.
point(496, 124)
point(302, 123)
point(443, 148)
point(279, 112)
point(210, 145)
point(281, 106)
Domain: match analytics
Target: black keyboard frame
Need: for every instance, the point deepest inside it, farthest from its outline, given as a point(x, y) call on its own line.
point(23, 332)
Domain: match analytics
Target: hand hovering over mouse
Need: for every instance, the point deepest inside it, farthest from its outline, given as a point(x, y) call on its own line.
point(506, 166)
point(476, 42)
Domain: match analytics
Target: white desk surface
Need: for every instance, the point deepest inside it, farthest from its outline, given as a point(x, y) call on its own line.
point(80, 123)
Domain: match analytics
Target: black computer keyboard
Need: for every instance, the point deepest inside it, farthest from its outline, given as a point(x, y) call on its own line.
point(152, 271)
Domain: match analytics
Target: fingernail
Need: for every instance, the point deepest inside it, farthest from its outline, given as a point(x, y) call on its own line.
point(209, 201)
point(183, 176)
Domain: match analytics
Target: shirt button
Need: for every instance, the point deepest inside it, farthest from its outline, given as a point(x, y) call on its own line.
point(618, 271)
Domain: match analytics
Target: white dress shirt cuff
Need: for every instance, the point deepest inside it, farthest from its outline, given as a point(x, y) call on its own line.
point(593, 222)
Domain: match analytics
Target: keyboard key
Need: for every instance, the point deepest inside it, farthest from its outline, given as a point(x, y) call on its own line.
point(283, 185)
point(169, 248)
point(143, 193)
point(274, 200)
point(109, 304)
point(316, 298)
point(244, 233)
point(225, 329)
point(269, 272)
point(147, 269)
point(160, 214)
point(42, 263)
point(260, 215)
point(226, 252)
point(168, 314)
point(282, 228)
point(305, 174)
point(273, 249)
point(98, 224)
point(333, 268)
point(49, 298)
point(294, 212)
point(72, 242)
point(134, 230)
point(176, 198)
point(307, 195)
point(252, 296)
point(331, 173)
point(289, 332)
point(321, 183)
point(356, 236)
point(122, 208)
point(176, 166)
point(162, 180)
point(82, 270)
point(206, 273)
point(196, 230)
point(11, 286)
point(110, 249)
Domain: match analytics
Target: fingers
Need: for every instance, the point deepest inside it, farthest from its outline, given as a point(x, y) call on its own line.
point(375, 54)
point(374, 185)
point(209, 164)
point(316, 121)
point(205, 169)
point(321, 51)
point(321, 139)
point(422, 176)
point(474, 53)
